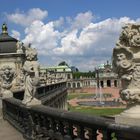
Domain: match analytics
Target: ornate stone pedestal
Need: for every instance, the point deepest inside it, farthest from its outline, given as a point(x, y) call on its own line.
point(34, 101)
point(7, 94)
point(130, 116)
point(126, 63)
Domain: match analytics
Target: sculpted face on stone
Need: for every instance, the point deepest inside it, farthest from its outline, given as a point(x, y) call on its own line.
point(7, 75)
point(123, 62)
point(126, 62)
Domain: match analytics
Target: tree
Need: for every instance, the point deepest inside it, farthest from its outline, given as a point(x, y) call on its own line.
point(63, 63)
point(74, 69)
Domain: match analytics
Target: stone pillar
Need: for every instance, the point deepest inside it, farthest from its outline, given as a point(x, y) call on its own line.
point(105, 83)
point(126, 63)
point(112, 83)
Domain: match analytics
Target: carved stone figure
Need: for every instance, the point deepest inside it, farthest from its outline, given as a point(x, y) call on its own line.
point(4, 29)
point(31, 70)
point(126, 63)
point(19, 47)
point(7, 75)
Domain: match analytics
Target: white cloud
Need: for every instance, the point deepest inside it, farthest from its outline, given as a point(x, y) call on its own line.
point(82, 20)
point(15, 34)
point(93, 39)
point(59, 22)
point(25, 19)
point(82, 47)
point(84, 43)
point(42, 36)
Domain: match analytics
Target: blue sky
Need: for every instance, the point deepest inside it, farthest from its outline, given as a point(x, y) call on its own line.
point(82, 32)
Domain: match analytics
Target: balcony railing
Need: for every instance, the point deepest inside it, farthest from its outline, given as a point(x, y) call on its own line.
point(45, 93)
point(46, 123)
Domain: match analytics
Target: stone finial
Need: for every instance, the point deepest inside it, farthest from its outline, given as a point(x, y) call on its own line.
point(4, 29)
point(126, 63)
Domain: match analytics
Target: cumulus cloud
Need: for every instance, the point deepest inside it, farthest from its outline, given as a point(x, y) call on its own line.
point(82, 20)
point(42, 36)
point(93, 39)
point(85, 47)
point(84, 43)
point(26, 18)
point(15, 34)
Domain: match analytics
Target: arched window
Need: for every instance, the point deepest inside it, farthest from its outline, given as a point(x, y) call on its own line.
point(108, 83)
point(74, 85)
point(102, 83)
point(69, 85)
point(78, 85)
point(115, 83)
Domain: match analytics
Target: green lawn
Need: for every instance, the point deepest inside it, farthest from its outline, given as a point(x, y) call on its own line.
point(92, 110)
point(84, 95)
point(79, 95)
point(96, 111)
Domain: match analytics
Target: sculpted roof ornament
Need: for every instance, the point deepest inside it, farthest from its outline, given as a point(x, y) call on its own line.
point(31, 53)
point(7, 43)
point(4, 28)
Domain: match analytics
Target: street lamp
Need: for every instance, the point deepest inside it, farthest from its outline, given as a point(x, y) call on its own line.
point(97, 77)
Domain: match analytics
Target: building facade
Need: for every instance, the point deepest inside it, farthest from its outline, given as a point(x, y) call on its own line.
point(105, 77)
point(12, 53)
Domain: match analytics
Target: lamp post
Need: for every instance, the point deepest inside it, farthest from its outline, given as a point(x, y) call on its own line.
point(97, 77)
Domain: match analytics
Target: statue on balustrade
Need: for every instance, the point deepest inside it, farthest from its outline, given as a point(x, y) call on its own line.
point(7, 75)
point(19, 47)
point(31, 80)
point(126, 62)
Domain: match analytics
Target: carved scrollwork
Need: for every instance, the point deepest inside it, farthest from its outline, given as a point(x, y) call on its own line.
point(130, 36)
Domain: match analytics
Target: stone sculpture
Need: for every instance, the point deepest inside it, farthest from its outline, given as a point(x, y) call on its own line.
point(19, 47)
point(7, 75)
point(31, 70)
point(126, 63)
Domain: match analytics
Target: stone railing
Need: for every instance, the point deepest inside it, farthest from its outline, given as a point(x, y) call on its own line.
point(54, 95)
point(46, 123)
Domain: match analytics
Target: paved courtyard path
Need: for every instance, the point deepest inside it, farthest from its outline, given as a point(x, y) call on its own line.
point(8, 132)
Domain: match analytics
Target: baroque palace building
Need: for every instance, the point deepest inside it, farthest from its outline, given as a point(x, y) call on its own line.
point(104, 77)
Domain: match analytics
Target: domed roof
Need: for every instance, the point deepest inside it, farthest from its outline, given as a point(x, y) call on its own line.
point(101, 66)
point(7, 43)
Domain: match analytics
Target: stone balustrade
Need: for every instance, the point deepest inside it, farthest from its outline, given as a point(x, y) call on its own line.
point(45, 123)
point(54, 95)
